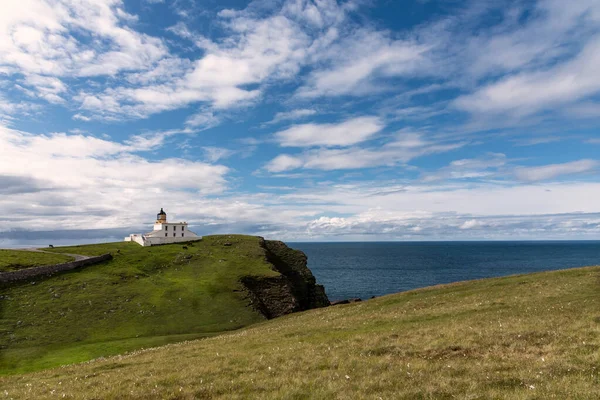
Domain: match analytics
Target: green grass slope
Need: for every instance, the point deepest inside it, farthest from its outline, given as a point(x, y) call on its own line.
point(13, 260)
point(522, 337)
point(143, 297)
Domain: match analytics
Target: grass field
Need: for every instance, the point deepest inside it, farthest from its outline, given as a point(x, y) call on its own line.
point(13, 260)
point(143, 297)
point(532, 336)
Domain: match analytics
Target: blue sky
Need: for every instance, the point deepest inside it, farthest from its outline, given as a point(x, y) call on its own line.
point(300, 119)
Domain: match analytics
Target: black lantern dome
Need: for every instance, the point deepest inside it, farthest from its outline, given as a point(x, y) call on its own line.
point(161, 216)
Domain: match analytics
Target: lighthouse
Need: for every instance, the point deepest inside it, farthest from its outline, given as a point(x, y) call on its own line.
point(164, 232)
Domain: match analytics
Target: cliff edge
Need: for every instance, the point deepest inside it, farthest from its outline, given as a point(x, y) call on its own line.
point(294, 290)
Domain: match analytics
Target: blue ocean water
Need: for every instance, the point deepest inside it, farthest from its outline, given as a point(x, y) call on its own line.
point(377, 268)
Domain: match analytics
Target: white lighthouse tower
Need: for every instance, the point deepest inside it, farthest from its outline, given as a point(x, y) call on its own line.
point(164, 232)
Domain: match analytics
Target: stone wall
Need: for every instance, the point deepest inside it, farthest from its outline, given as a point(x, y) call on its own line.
point(36, 272)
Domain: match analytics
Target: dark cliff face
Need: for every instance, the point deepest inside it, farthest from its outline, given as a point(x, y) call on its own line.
point(296, 288)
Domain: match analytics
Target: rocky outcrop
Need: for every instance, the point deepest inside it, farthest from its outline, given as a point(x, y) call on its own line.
point(294, 290)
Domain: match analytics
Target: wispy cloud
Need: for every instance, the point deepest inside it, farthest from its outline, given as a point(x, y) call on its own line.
point(292, 115)
point(356, 62)
point(530, 92)
point(546, 172)
point(475, 168)
point(203, 119)
point(552, 31)
point(583, 110)
point(533, 141)
point(548, 60)
point(81, 117)
point(345, 133)
point(405, 147)
point(214, 154)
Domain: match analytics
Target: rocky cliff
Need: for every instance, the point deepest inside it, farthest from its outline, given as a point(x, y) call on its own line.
point(294, 290)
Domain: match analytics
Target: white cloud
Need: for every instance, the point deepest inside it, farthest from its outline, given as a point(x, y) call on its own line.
point(486, 199)
point(283, 162)
point(47, 87)
point(389, 210)
point(583, 110)
point(180, 29)
point(353, 158)
point(532, 141)
point(202, 120)
point(546, 172)
point(318, 14)
point(346, 133)
point(377, 223)
point(52, 42)
point(86, 163)
point(10, 108)
point(470, 224)
point(164, 71)
point(38, 37)
point(81, 117)
point(256, 51)
point(552, 29)
point(481, 167)
point(357, 62)
point(214, 154)
point(529, 92)
point(260, 49)
point(405, 147)
point(292, 115)
point(47, 39)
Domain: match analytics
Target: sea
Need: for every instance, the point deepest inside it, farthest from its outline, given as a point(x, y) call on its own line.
point(367, 269)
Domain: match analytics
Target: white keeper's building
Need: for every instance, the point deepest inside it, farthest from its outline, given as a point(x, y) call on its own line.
point(164, 232)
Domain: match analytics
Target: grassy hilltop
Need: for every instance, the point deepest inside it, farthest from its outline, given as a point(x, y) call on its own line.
point(143, 297)
point(533, 336)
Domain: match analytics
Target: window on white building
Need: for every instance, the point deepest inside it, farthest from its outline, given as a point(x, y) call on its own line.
point(182, 234)
point(166, 234)
point(174, 234)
